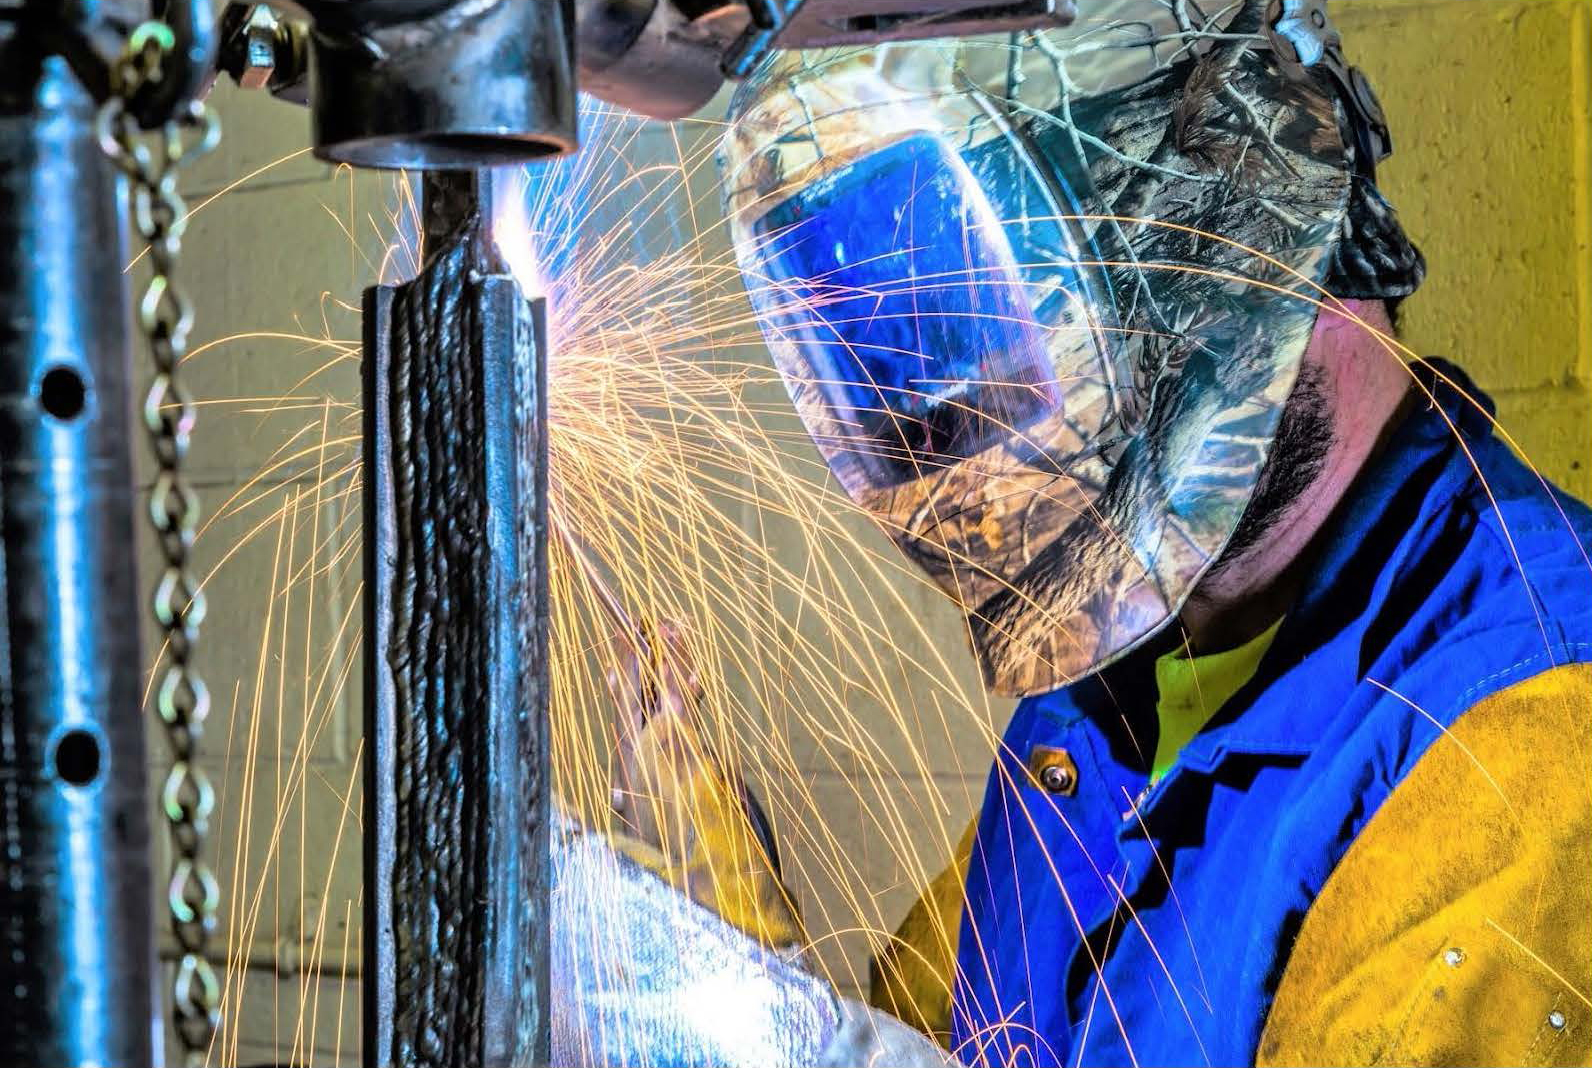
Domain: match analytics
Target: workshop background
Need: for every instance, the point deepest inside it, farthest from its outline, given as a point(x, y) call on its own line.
point(1490, 104)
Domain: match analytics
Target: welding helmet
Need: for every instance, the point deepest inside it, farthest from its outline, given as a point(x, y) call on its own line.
point(1040, 300)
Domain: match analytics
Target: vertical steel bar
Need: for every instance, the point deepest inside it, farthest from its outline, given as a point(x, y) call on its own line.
point(456, 624)
point(76, 938)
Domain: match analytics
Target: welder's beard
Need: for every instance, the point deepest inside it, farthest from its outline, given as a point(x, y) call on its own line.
point(1305, 433)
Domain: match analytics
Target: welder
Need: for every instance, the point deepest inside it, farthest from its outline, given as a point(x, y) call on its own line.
point(1099, 327)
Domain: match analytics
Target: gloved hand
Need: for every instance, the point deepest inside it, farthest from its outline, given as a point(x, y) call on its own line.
point(685, 814)
point(659, 744)
point(684, 811)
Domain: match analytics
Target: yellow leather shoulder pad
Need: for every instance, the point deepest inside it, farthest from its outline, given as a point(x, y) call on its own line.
point(1457, 929)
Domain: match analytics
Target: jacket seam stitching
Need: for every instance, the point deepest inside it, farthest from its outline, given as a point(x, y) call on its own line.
point(1463, 702)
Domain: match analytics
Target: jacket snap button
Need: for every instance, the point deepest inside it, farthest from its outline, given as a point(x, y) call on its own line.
point(1556, 1020)
point(1454, 957)
point(1056, 779)
point(1052, 769)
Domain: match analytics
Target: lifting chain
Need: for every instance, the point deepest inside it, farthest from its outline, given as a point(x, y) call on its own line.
point(151, 162)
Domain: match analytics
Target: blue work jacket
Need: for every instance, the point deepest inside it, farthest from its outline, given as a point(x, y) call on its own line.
point(1111, 921)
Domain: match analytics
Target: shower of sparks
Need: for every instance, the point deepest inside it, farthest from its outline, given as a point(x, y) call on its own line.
point(694, 497)
point(690, 494)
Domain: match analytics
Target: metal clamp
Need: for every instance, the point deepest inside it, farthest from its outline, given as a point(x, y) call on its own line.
point(1301, 35)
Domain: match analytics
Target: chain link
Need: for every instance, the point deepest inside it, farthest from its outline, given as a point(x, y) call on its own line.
point(152, 162)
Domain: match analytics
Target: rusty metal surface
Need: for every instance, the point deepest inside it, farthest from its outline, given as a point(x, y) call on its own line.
point(456, 776)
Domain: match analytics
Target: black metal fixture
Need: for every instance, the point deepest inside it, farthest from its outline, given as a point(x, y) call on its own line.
point(79, 964)
point(74, 825)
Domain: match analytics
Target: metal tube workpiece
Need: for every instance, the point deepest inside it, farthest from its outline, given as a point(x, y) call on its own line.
point(77, 959)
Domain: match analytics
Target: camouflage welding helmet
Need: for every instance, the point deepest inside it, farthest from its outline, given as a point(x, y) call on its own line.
point(1040, 301)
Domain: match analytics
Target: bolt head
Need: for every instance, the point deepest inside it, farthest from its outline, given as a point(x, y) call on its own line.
point(259, 52)
point(1055, 778)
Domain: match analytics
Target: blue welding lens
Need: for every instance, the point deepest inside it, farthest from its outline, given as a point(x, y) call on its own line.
point(894, 305)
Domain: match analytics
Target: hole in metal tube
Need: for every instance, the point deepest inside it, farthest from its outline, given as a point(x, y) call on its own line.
point(77, 758)
point(63, 394)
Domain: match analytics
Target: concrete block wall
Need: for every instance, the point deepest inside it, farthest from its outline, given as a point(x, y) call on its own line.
point(1489, 105)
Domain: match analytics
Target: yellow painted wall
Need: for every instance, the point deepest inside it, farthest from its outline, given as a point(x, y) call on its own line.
point(1490, 105)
